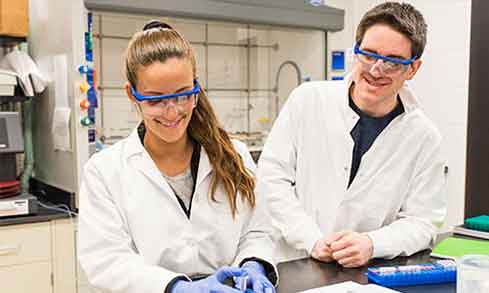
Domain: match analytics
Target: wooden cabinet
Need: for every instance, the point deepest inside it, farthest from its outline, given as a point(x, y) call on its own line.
point(38, 257)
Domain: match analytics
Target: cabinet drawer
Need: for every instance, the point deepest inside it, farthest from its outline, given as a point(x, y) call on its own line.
point(34, 277)
point(20, 244)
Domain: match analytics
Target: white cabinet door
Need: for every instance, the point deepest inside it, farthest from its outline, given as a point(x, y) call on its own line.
point(64, 264)
point(35, 277)
point(21, 244)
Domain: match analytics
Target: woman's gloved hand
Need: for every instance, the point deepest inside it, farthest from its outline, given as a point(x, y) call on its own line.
point(213, 283)
point(257, 279)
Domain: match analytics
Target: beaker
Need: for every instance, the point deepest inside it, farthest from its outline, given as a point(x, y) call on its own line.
point(473, 274)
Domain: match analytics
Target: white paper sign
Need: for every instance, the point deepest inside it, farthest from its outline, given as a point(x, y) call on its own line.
point(61, 128)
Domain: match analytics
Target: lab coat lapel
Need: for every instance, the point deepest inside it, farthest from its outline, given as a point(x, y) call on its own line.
point(205, 168)
point(138, 157)
point(350, 119)
point(410, 104)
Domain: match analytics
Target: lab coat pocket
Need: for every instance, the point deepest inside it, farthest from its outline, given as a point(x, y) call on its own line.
point(229, 226)
point(219, 232)
point(374, 211)
point(359, 215)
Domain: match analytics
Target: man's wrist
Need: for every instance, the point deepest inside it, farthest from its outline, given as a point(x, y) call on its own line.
point(370, 247)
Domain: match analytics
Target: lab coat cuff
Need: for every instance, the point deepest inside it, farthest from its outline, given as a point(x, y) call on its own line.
point(310, 238)
point(270, 269)
point(303, 236)
point(380, 244)
point(170, 285)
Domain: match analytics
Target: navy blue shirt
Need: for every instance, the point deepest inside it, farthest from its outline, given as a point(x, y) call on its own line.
point(366, 131)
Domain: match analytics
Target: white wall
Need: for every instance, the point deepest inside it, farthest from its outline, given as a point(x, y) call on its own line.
point(342, 40)
point(442, 82)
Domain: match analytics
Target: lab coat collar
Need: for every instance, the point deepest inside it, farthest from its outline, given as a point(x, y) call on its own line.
point(137, 154)
point(408, 99)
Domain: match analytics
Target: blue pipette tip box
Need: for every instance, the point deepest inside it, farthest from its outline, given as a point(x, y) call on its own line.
point(443, 271)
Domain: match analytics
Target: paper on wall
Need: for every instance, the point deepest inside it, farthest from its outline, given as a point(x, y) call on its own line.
point(61, 130)
point(62, 111)
point(60, 76)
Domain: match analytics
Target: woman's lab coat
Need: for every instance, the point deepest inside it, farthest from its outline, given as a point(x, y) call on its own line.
point(134, 236)
point(397, 195)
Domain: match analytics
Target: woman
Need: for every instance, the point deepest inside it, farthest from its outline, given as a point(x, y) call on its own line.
point(175, 200)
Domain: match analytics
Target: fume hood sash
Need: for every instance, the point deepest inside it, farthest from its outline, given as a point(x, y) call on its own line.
point(293, 13)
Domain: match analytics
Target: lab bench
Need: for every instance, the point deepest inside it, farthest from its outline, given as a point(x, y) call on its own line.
point(42, 215)
point(303, 274)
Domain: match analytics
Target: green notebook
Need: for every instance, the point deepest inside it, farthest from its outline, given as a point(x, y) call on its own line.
point(455, 247)
point(480, 223)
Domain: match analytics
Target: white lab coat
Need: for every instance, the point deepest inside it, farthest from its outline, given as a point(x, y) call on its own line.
point(397, 195)
point(135, 238)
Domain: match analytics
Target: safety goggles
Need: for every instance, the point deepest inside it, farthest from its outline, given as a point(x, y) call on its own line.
point(390, 65)
point(179, 98)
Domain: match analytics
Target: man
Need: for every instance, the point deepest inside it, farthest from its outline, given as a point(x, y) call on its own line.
point(352, 169)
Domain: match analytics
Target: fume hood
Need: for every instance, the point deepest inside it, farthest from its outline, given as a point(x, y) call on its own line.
point(250, 55)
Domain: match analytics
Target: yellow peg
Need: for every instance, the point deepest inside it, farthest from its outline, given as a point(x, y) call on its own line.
point(84, 87)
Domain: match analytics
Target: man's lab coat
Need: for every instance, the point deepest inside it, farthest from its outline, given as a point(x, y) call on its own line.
point(397, 195)
point(134, 236)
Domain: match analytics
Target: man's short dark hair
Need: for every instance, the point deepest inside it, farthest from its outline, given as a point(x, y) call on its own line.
point(401, 17)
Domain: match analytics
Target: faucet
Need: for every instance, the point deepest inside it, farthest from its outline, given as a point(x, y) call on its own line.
point(275, 89)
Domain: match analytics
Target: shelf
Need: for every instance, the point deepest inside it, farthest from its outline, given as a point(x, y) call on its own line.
point(11, 41)
point(10, 99)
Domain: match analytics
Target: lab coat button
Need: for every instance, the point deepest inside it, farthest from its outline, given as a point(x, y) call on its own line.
point(345, 168)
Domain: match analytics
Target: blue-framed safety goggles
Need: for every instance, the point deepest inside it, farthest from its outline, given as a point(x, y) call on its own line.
point(357, 50)
point(139, 97)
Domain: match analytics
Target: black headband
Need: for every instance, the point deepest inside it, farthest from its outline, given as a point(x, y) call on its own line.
point(156, 24)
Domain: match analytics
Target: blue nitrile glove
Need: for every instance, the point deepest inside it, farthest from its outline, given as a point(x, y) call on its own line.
point(257, 279)
point(213, 283)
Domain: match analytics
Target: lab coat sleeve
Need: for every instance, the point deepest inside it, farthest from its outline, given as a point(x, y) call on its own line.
point(105, 248)
point(277, 176)
point(423, 210)
point(255, 240)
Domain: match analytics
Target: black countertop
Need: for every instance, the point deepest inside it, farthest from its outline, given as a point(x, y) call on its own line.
point(43, 215)
point(304, 274)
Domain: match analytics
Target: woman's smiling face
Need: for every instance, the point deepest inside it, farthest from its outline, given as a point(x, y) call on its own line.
point(166, 120)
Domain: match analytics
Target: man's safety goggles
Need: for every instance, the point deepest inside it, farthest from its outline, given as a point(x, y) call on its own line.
point(389, 64)
point(179, 98)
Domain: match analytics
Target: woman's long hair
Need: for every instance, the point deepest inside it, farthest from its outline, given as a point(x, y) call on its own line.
point(159, 42)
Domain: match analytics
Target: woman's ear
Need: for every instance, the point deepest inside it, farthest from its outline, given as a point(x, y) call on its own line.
point(127, 87)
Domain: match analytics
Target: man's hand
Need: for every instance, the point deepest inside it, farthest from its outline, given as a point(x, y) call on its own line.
point(350, 249)
point(321, 251)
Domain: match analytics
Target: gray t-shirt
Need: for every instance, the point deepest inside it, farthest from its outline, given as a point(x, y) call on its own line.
point(182, 184)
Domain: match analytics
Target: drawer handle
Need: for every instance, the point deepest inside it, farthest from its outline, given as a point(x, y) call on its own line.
point(8, 249)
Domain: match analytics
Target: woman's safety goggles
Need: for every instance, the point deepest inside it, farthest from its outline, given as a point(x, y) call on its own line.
point(389, 65)
point(178, 98)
